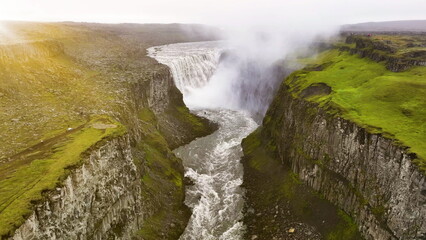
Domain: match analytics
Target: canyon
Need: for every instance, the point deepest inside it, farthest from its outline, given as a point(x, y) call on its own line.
point(157, 132)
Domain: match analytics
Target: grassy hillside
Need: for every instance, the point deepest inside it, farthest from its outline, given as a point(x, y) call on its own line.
point(364, 91)
point(59, 82)
point(44, 95)
point(22, 182)
point(55, 75)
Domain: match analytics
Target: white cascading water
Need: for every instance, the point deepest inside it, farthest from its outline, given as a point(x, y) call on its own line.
point(191, 64)
point(212, 162)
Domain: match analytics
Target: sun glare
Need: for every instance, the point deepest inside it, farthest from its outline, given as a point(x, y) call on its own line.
point(6, 34)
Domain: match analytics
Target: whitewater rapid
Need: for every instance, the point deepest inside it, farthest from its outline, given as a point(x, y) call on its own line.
point(212, 162)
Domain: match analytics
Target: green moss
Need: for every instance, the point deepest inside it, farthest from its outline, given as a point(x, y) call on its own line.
point(379, 212)
point(344, 45)
point(147, 180)
point(266, 119)
point(147, 115)
point(251, 145)
point(365, 92)
point(27, 183)
point(186, 116)
point(175, 177)
point(149, 231)
point(251, 142)
point(187, 126)
point(153, 141)
point(163, 183)
point(45, 95)
point(289, 185)
point(305, 155)
point(322, 163)
point(347, 229)
point(269, 183)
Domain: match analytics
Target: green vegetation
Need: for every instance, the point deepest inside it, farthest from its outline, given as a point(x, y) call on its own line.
point(25, 185)
point(158, 156)
point(289, 185)
point(252, 143)
point(44, 94)
point(187, 125)
point(402, 45)
point(163, 184)
point(365, 92)
point(147, 116)
point(185, 116)
point(58, 76)
point(379, 212)
point(270, 183)
point(151, 226)
point(345, 229)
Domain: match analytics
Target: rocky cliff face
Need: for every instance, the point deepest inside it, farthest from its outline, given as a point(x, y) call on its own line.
point(105, 197)
point(384, 51)
point(99, 200)
point(129, 186)
point(368, 176)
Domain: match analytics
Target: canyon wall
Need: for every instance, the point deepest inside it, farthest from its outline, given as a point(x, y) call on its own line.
point(98, 200)
point(367, 175)
point(128, 186)
point(380, 51)
point(106, 196)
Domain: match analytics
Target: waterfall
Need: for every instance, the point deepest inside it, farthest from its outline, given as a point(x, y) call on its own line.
point(229, 88)
point(191, 64)
point(211, 77)
point(212, 162)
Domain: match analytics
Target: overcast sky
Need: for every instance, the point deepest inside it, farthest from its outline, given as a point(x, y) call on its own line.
point(213, 11)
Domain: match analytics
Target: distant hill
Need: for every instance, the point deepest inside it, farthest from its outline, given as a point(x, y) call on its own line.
point(391, 26)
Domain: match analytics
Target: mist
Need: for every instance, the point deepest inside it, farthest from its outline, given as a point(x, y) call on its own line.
point(260, 35)
point(258, 53)
point(262, 38)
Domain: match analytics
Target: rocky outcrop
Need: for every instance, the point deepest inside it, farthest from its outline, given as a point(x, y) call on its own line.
point(160, 94)
point(99, 200)
point(367, 175)
point(105, 197)
point(379, 51)
point(111, 195)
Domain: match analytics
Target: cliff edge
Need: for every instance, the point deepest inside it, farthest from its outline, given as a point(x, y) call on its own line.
point(353, 131)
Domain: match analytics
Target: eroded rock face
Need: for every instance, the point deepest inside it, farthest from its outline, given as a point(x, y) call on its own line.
point(99, 200)
point(365, 174)
point(378, 52)
point(105, 197)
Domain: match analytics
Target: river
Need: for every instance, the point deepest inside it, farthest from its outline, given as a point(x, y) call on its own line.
point(212, 162)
